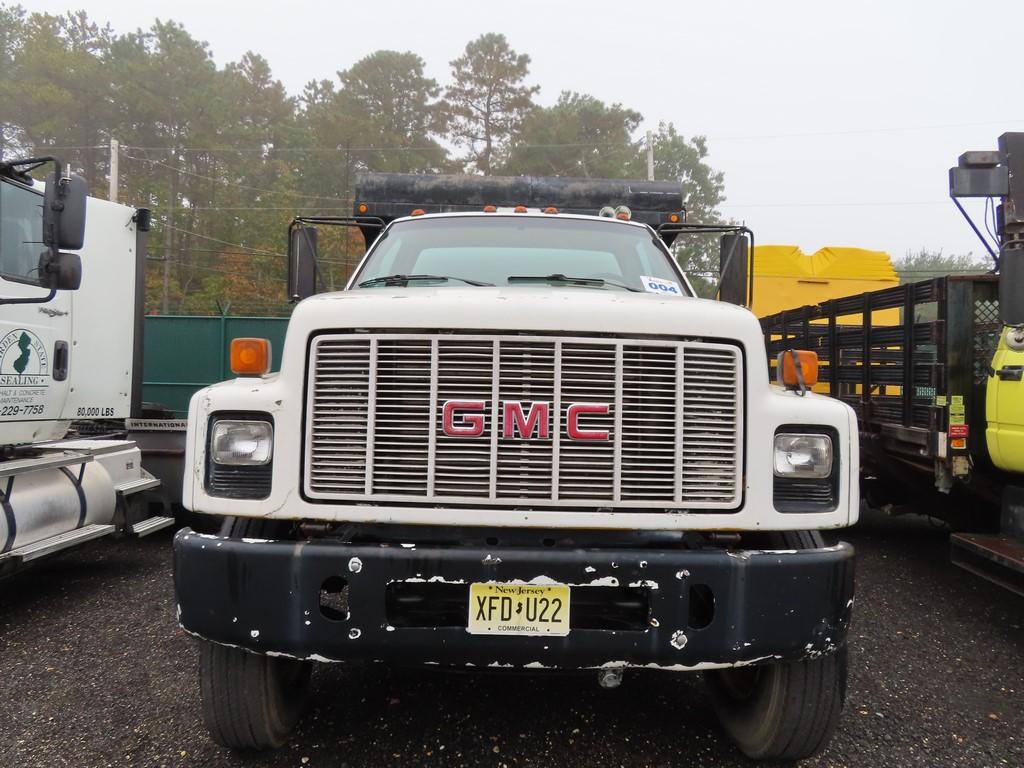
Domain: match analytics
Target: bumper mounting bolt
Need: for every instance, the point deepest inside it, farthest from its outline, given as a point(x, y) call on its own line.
point(610, 678)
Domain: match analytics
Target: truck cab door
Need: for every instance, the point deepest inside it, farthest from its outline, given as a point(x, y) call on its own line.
point(34, 338)
point(1004, 407)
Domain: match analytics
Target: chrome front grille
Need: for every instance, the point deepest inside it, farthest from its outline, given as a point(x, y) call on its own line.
point(375, 429)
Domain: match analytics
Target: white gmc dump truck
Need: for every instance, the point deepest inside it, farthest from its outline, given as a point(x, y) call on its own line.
point(518, 440)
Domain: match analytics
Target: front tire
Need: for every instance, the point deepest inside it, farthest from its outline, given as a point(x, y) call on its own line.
point(786, 711)
point(250, 701)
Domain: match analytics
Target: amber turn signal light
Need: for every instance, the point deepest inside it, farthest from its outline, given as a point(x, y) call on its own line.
point(363, 208)
point(250, 357)
point(790, 376)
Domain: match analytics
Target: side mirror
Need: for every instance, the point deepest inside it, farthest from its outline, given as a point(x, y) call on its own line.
point(60, 271)
point(302, 263)
point(64, 210)
point(732, 265)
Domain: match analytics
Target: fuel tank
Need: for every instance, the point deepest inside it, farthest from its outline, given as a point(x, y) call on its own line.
point(49, 495)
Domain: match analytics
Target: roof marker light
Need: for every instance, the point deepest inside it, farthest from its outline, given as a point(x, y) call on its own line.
point(607, 212)
point(551, 209)
point(520, 209)
point(623, 213)
point(490, 209)
point(417, 212)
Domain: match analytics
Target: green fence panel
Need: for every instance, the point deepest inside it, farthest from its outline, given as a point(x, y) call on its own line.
point(183, 354)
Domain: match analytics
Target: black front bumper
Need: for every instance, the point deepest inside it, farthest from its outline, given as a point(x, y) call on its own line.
point(675, 608)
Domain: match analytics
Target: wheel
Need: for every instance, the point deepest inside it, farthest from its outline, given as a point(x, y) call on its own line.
point(784, 711)
point(250, 701)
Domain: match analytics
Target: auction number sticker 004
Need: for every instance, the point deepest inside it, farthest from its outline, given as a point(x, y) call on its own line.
point(518, 609)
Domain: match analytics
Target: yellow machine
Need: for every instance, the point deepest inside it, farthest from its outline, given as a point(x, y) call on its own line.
point(785, 277)
point(1004, 403)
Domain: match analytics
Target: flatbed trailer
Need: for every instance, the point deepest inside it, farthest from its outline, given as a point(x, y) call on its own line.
point(938, 391)
point(918, 386)
point(919, 389)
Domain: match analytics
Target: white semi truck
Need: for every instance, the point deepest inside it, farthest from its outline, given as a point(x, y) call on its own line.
point(70, 338)
point(518, 440)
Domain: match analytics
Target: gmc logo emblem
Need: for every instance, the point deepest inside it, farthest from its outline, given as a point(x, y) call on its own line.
point(523, 421)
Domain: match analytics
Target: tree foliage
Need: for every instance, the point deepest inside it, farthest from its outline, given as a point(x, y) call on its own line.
point(923, 263)
point(579, 135)
point(397, 105)
point(487, 101)
point(225, 156)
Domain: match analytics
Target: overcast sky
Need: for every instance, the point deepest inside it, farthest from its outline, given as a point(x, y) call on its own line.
point(834, 123)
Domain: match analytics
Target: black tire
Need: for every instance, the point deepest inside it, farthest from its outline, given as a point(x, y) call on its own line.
point(251, 701)
point(785, 711)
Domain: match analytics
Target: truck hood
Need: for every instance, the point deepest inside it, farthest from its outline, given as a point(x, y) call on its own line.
point(543, 308)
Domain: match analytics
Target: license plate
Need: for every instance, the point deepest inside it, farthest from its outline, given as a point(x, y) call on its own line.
point(518, 609)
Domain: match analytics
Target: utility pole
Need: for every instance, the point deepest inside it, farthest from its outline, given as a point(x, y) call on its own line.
point(114, 153)
point(169, 244)
point(650, 156)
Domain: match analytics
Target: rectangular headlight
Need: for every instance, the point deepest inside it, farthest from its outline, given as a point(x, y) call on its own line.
point(241, 443)
point(803, 455)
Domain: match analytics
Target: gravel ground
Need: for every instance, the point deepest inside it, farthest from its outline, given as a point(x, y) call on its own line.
point(96, 673)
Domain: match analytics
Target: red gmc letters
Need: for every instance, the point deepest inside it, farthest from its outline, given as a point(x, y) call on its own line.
point(520, 421)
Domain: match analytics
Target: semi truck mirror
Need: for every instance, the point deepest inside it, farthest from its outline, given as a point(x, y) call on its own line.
point(733, 257)
point(60, 271)
point(1011, 287)
point(302, 263)
point(64, 210)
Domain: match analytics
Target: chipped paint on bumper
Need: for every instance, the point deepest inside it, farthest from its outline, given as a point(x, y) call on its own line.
point(264, 596)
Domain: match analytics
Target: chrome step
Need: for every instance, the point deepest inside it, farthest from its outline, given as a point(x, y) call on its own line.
point(57, 543)
point(151, 525)
point(129, 487)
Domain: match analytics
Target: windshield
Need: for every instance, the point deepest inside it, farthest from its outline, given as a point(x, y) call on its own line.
point(560, 251)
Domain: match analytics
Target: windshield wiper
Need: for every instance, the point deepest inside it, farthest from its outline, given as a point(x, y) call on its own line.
point(393, 280)
point(596, 282)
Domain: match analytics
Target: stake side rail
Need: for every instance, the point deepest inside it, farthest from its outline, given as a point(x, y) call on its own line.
point(910, 378)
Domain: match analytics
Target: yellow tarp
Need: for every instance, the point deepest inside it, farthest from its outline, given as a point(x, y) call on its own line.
point(786, 278)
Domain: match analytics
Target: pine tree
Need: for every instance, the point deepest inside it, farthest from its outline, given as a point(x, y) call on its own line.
point(487, 101)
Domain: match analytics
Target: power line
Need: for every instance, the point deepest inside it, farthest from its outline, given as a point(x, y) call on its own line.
point(850, 204)
point(231, 183)
point(271, 150)
point(578, 145)
point(222, 242)
point(858, 131)
point(264, 149)
point(296, 209)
